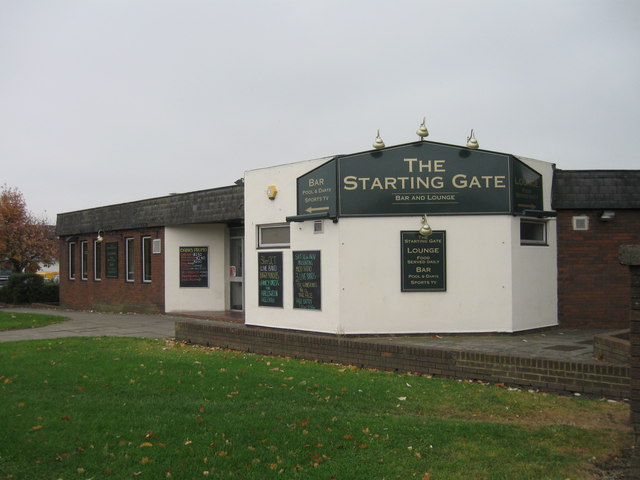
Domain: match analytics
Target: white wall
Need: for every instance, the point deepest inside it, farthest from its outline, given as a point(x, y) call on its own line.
point(493, 283)
point(535, 272)
point(478, 294)
point(215, 296)
point(260, 210)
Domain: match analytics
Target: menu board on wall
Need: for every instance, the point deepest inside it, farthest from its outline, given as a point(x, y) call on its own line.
point(270, 279)
point(306, 280)
point(423, 262)
point(194, 266)
point(111, 259)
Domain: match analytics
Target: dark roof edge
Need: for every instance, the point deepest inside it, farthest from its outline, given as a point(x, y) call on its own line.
point(152, 199)
point(216, 205)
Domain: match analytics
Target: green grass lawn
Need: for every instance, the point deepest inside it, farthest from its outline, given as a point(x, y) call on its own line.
point(15, 321)
point(121, 408)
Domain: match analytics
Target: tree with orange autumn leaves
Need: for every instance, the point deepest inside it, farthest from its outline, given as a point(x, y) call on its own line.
point(26, 242)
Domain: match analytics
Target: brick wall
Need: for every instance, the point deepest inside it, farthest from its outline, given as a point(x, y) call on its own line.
point(549, 375)
point(593, 288)
point(113, 294)
point(630, 255)
point(634, 324)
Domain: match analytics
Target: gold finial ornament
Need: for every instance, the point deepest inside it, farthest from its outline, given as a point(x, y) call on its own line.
point(422, 130)
point(425, 229)
point(472, 143)
point(378, 142)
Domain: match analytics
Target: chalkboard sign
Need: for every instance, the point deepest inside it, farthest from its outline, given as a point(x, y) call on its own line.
point(270, 279)
point(423, 262)
point(111, 259)
point(194, 266)
point(306, 280)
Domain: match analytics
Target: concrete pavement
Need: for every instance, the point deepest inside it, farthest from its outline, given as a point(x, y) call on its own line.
point(554, 343)
point(90, 324)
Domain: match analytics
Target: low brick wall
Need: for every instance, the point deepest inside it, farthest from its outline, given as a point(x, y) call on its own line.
point(611, 381)
point(613, 347)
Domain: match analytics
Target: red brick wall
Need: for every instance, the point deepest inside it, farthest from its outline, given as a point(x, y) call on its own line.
point(113, 294)
point(593, 288)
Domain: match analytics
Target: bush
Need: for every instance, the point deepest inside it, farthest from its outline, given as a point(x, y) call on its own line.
point(50, 293)
point(28, 288)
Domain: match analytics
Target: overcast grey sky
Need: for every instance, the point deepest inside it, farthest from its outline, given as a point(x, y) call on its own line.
point(108, 101)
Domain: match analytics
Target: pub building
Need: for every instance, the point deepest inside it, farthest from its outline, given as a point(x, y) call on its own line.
point(423, 237)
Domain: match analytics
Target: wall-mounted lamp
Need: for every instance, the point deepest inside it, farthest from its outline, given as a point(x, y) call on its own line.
point(378, 143)
point(100, 236)
point(608, 215)
point(422, 130)
point(425, 229)
point(272, 191)
point(472, 143)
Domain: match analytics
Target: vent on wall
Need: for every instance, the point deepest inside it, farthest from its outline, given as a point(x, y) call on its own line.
point(580, 222)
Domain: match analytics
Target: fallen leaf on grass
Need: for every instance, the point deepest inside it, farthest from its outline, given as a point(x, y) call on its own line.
point(146, 444)
point(36, 427)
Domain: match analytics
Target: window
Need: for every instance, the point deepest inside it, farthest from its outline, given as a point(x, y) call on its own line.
point(146, 259)
point(129, 258)
point(273, 236)
point(84, 260)
point(580, 222)
point(97, 260)
point(72, 260)
point(533, 232)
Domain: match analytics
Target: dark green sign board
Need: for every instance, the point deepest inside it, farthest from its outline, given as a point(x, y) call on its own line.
point(317, 191)
point(111, 259)
point(418, 178)
point(270, 279)
point(306, 280)
point(423, 262)
point(194, 266)
point(527, 188)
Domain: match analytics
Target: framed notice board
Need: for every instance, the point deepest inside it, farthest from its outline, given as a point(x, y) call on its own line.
point(194, 266)
point(306, 280)
point(423, 262)
point(111, 259)
point(270, 279)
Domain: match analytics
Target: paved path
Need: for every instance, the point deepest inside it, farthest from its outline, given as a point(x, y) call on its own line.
point(553, 343)
point(91, 324)
point(556, 343)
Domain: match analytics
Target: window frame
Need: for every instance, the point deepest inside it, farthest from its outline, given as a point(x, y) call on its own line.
point(72, 260)
point(531, 241)
point(97, 261)
point(147, 250)
point(84, 260)
point(129, 260)
point(273, 226)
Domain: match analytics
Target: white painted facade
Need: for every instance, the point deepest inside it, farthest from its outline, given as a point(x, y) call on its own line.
point(215, 296)
point(494, 284)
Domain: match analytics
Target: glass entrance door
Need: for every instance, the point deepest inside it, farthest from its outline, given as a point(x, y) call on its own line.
point(236, 271)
